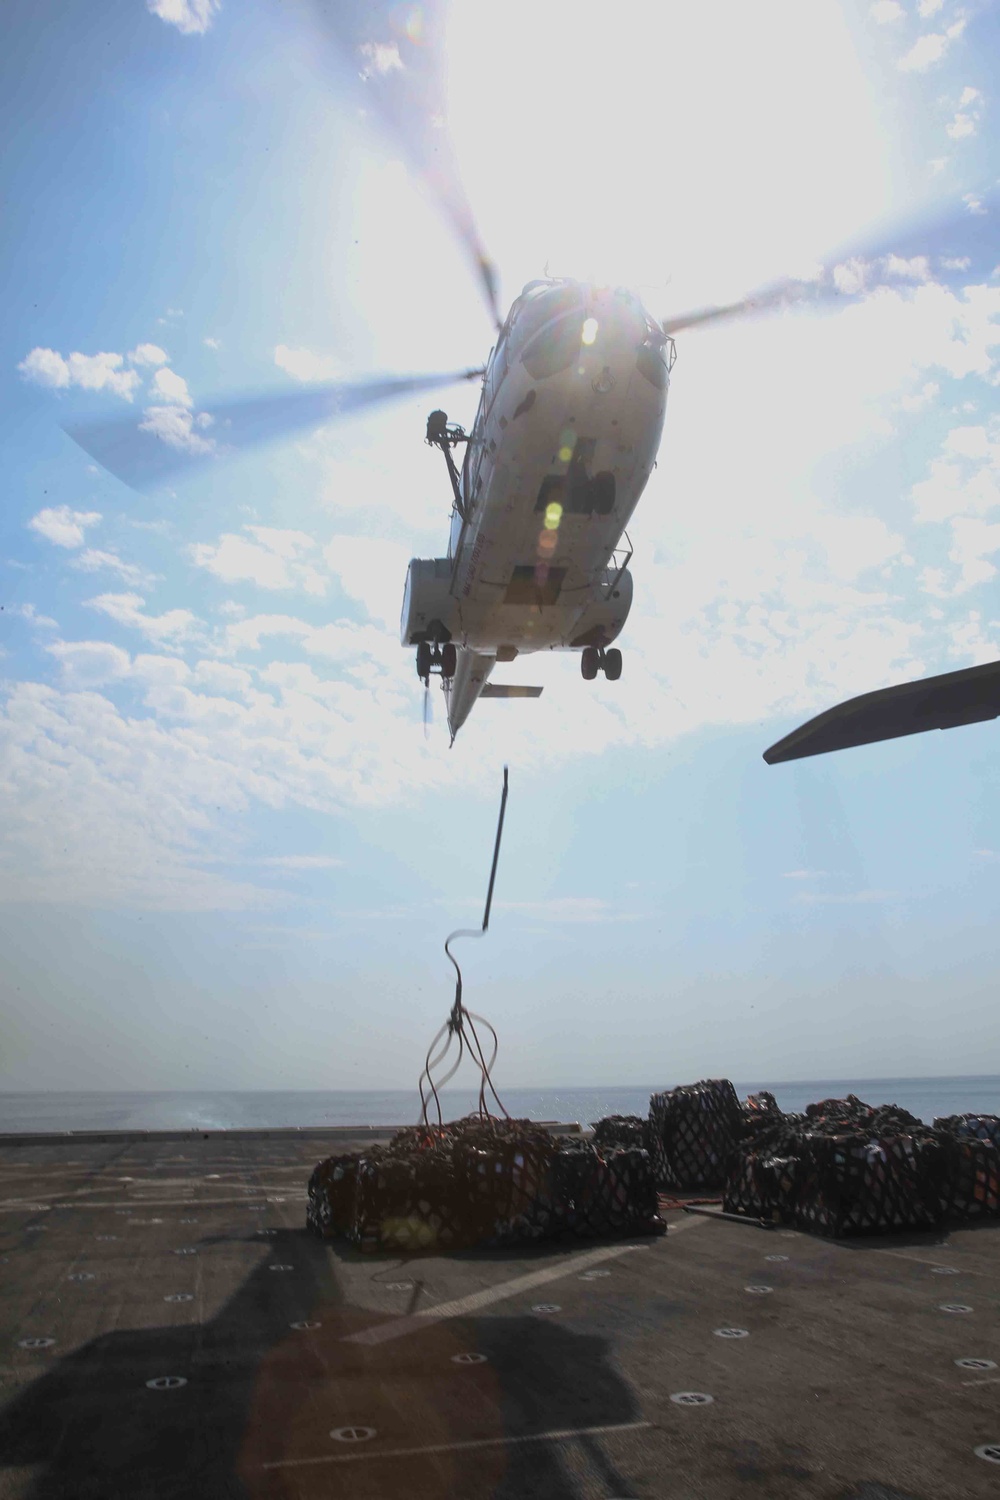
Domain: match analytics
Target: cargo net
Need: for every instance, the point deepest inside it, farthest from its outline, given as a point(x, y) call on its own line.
point(694, 1131)
point(845, 1167)
point(972, 1148)
point(481, 1182)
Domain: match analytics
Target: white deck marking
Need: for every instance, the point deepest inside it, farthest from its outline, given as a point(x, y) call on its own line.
point(572, 1265)
point(564, 1436)
point(918, 1260)
point(992, 1380)
point(133, 1203)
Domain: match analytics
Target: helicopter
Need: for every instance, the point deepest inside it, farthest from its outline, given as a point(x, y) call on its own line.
point(571, 407)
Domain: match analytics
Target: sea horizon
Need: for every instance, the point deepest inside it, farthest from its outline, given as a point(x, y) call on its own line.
point(44, 1110)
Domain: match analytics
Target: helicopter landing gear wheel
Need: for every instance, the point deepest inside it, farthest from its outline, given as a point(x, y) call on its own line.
point(589, 663)
point(449, 660)
point(613, 664)
point(423, 660)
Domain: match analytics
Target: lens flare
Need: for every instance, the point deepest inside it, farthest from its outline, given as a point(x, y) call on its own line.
point(553, 515)
point(589, 333)
point(547, 543)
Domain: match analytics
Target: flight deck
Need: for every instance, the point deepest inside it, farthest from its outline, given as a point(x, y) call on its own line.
point(170, 1329)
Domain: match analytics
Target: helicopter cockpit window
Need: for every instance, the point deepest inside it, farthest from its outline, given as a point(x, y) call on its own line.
point(538, 304)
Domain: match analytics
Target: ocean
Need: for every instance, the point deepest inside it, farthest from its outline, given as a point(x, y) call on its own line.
point(924, 1097)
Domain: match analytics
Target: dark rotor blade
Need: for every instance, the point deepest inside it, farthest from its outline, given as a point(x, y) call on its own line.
point(958, 244)
point(970, 696)
point(165, 440)
point(397, 54)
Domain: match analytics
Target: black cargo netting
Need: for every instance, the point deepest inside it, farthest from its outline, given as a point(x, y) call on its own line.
point(845, 1167)
point(971, 1127)
point(760, 1185)
point(621, 1130)
point(856, 1184)
point(481, 1182)
point(972, 1178)
point(696, 1129)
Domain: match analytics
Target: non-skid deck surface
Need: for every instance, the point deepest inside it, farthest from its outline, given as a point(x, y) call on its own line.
point(168, 1329)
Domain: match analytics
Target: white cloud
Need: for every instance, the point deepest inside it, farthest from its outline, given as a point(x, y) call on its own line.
point(304, 365)
point(969, 96)
point(221, 677)
point(30, 613)
point(885, 11)
point(847, 898)
point(91, 372)
point(93, 561)
point(929, 7)
point(274, 559)
point(929, 49)
point(90, 663)
point(301, 862)
point(211, 343)
point(148, 355)
point(176, 426)
point(126, 609)
point(170, 387)
point(803, 874)
point(63, 526)
point(380, 57)
point(191, 17)
point(371, 570)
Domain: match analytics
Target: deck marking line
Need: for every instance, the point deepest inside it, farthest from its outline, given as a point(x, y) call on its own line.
point(993, 1380)
point(146, 1203)
point(918, 1260)
point(383, 1332)
point(563, 1436)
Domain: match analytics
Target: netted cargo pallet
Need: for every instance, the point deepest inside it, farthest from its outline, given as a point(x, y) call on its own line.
point(621, 1130)
point(972, 1178)
point(971, 1127)
point(332, 1189)
point(762, 1187)
point(696, 1129)
point(859, 1184)
point(481, 1182)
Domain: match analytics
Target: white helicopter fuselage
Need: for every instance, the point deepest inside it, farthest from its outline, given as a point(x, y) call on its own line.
point(564, 441)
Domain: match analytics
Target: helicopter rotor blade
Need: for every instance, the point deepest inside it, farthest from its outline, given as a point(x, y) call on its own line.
point(167, 440)
point(397, 53)
point(950, 244)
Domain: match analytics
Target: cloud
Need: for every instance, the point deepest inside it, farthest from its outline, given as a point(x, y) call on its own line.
point(274, 559)
point(63, 526)
point(148, 355)
point(30, 613)
point(93, 560)
point(90, 663)
point(845, 898)
point(381, 58)
point(126, 609)
point(929, 49)
point(211, 343)
point(304, 365)
point(885, 11)
point(372, 571)
point(191, 17)
point(176, 426)
point(967, 116)
point(168, 386)
point(300, 862)
point(803, 874)
point(929, 7)
point(91, 372)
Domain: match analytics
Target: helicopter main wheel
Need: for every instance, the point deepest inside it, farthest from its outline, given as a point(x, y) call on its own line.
point(424, 660)
point(590, 661)
point(449, 660)
point(613, 664)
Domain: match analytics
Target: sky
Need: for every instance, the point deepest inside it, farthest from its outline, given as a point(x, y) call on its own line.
point(230, 857)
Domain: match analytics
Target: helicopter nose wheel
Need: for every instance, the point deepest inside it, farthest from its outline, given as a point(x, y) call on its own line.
point(595, 659)
point(429, 656)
